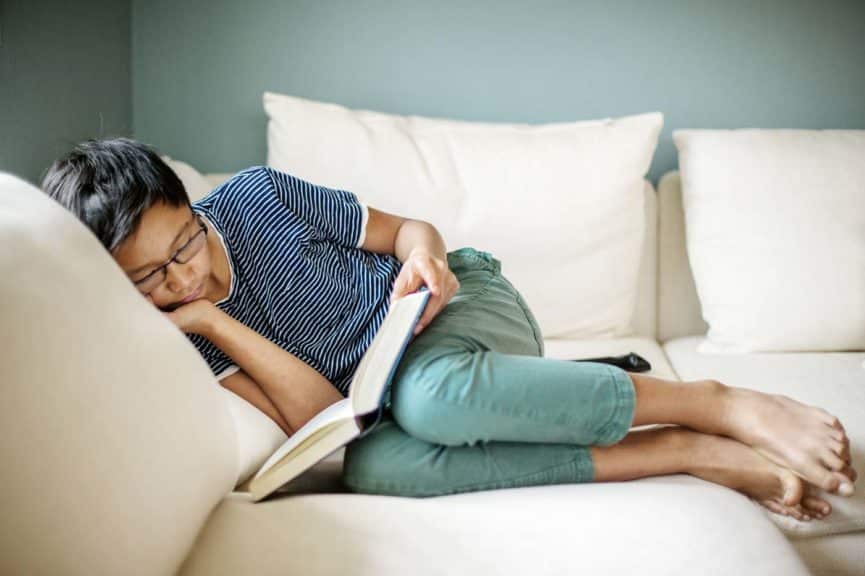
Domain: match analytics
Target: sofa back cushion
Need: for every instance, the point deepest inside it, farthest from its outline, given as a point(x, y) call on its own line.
point(775, 232)
point(561, 205)
point(679, 311)
point(116, 438)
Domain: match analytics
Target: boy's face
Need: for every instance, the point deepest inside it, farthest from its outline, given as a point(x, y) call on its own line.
point(162, 231)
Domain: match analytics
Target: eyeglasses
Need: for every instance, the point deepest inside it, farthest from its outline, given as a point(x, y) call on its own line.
point(186, 252)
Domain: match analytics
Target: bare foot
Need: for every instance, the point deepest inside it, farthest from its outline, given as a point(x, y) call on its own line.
point(738, 466)
point(808, 440)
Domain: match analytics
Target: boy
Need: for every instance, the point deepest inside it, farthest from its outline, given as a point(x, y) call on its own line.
point(281, 285)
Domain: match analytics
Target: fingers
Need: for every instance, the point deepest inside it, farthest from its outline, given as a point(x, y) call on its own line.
point(406, 283)
point(430, 275)
point(430, 311)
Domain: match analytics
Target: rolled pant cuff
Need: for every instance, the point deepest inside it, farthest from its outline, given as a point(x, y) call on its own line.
point(623, 412)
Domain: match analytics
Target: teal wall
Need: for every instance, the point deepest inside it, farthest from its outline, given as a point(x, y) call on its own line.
point(64, 76)
point(187, 76)
point(200, 66)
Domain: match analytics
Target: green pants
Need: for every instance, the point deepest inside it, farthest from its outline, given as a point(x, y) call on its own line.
point(474, 405)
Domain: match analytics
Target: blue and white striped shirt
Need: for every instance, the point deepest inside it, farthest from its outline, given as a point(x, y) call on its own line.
point(298, 275)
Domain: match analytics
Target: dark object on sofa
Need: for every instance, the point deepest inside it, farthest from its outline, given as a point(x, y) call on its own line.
point(630, 362)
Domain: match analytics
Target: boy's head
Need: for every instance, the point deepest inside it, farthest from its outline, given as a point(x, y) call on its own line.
point(138, 209)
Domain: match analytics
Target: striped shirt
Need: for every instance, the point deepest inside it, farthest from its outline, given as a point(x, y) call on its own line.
point(298, 275)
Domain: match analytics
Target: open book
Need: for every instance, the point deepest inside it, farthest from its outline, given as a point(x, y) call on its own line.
point(351, 417)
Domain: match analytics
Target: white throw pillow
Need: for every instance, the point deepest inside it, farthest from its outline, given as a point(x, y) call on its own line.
point(775, 227)
point(197, 186)
point(561, 205)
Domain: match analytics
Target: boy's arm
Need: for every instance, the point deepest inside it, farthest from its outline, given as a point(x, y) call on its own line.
point(241, 384)
point(296, 389)
point(392, 234)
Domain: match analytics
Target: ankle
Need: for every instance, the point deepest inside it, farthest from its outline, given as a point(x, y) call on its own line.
point(721, 412)
point(701, 453)
point(684, 444)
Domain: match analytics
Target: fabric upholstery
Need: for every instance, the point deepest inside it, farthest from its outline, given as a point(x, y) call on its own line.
point(115, 437)
point(832, 381)
point(536, 530)
point(570, 194)
point(776, 237)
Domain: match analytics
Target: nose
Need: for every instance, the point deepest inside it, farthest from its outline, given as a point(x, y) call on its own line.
point(179, 277)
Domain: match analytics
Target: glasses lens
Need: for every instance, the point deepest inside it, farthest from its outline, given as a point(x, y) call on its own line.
point(152, 281)
point(192, 248)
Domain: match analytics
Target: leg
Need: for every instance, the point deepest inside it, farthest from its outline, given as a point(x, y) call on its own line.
point(671, 450)
point(476, 374)
point(803, 438)
point(388, 461)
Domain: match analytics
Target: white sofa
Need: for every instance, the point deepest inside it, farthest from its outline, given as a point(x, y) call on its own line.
point(612, 527)
point(106, 478)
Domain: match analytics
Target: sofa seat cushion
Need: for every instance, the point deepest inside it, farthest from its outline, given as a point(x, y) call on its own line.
point(497, 531)
point(833, 554)
point(624, 527)
point(834, 381)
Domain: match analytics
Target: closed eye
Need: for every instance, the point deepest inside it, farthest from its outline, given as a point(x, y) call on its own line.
point(184, 241)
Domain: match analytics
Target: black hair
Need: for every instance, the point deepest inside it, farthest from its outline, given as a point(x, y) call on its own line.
point(108, 184)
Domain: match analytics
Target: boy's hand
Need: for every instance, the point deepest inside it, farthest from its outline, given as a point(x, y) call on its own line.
point(192, 317)
point(422, 268)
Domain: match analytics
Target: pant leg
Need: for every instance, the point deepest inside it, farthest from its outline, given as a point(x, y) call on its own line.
point(476, 374)
point(473, 405)
point(389, 461)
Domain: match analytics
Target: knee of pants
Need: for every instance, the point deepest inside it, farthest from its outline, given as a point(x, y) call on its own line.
point(364, 465)
point(382, 462)
point(420, 409)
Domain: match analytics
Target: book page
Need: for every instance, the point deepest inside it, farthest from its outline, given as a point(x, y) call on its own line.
point(337, 411)
point(286, 470)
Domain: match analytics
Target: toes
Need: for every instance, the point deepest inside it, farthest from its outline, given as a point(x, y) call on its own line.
point(793, 488)
point(774, 507)
point(825, 415)
point(838, 435)
point(779, 508)
point(798, 513)
point(832, 420)
point(832, 460)
point(838, 429)
point(841, 449)
point(845, 484)
point(822, 478)
point(816, 506)
point(845, 454)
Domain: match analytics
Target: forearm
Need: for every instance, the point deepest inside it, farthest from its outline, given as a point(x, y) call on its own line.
point(298, 390)
point(241, 384)
point(417, 234)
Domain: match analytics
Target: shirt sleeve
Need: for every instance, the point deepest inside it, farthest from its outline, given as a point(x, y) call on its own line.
point(220, 364)
point(337, 215)
point(227, 371)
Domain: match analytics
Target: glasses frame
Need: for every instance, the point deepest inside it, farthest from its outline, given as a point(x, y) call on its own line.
point(164, 267)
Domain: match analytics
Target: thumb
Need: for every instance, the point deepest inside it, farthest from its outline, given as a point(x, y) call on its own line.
point(401, 285)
